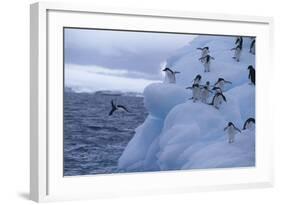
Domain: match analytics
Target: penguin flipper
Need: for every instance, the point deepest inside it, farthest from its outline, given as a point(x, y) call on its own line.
point(111, 112)
point(123, 107)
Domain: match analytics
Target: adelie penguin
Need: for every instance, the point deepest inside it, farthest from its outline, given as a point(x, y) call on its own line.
point(249, 123)
point(115, 107)
point(231, 131)
point(170, 75)
point(239, 41)
point(221, 82)
point(206, 60)
point(196, 92)
point(252, 74)
point(253, 47)
point(237, 53)
point(218, 100)
point(204, 52)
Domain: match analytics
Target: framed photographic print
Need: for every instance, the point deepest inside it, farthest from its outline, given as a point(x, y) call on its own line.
point(127, 102)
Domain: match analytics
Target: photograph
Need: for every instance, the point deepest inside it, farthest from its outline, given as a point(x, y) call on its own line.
point(151, 101)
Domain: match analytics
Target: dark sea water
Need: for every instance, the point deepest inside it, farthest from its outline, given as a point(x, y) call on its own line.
point(94, 141)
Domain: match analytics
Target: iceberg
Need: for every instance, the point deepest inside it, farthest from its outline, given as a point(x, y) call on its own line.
point(180, 134)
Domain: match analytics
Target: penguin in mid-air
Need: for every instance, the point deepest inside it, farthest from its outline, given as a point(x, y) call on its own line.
point(206, 60)
point(170, 75)
point(196, 92)
point(221, 82)
point(253, 47)
point(252, 74)
point(249, 123)
point(197, 79)
point(218, 100)
point(115, 107)
point(237, 53)
point(231, 131)
point(204, 51)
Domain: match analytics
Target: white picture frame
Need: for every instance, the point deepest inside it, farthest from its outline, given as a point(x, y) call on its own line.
point(46, 178)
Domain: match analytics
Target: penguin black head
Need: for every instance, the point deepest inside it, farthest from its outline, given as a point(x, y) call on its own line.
point(196, 85)
point(205, 87)
point(206, 47)
point(230, 124)
point(250, 67)
point(208, 83)
point(198, 77)
point(220, 79)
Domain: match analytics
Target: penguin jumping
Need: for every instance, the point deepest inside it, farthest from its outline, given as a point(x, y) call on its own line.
point(231, 131)
point(115, 107)
point(249, 123)
point(204, 52)
point(237, 53)
point(206, 60)
point(196, 92)
point(253, 47)
point(221, 82)
point(218, 100)
point(170, 75)
point(252, 74)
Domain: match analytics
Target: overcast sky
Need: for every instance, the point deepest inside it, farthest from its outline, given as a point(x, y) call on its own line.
point(117, 55)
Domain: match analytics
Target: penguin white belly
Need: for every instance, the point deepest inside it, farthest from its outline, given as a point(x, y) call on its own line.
point(221, 85)
point(207, 66)
point(204, 95)
point(237, 54)
point(231, 134)
point(250, 125)
point(196, 94)
point(204, 53)
point(170, 77)
point(218, 101)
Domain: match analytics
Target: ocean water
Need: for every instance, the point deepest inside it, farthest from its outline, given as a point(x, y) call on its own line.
point(94, 141)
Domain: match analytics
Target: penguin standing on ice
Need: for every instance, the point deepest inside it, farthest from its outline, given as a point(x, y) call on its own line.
point(221, 82)
point(237, 53)
point(249, 123)
point(196, 92)
point(205, 93)
point(170, 75)
point(253, 47)
point(204, 52)
point(206, 62)
point(231, 131)
point(197, 79)
point(115, 107)
point(252, 74)
point(218, 100)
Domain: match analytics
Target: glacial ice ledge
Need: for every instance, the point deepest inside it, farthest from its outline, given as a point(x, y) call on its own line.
point(180, 134)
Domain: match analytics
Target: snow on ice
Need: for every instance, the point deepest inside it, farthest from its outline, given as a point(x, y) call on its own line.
point(182, 134)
